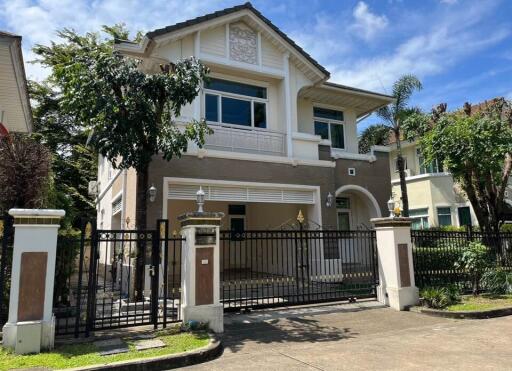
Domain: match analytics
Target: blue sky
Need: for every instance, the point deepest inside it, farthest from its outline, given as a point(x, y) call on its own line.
point(460, 49)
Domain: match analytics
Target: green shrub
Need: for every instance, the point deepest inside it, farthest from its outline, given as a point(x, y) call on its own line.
point(497, 282)
point(474, 260)
point(439, 297)
point(506, 228)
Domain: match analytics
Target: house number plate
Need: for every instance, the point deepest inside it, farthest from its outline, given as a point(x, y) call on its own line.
point(204, 261)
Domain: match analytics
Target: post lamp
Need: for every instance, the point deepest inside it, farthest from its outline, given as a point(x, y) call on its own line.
point(152, 193)
point(391, 207)
point(200, 199)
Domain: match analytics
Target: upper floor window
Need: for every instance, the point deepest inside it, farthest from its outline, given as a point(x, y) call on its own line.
point(229, 102)
point(329, 125)
point(419, 218)
point(425, 168)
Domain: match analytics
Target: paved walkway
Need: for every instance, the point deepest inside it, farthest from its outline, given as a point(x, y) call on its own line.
point(363, 336)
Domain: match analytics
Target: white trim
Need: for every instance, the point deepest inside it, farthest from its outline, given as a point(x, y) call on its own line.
point(421, 177)
point(197, 52)
point(226, 54)
point(260, 49)
point(340, 154)
point(37, 213)
point(380, 149)
point(264, 70)
point(361, 93)
point(306, 137)
point(202, 153)
point(288, 104)
point(357, 188)
point(317, 204)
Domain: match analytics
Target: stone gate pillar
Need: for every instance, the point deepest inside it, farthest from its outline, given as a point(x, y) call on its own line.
point(396, 271)
point(30, 327)
point(200, 269)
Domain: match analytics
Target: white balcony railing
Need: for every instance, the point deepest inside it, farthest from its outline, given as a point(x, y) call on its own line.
point(250, 140)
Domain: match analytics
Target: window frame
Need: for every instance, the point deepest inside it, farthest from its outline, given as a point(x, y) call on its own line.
point(396, 163)
point(421, 217)
point(434, 166)
point(444, 214)
point(330, 122)
point(219, 94)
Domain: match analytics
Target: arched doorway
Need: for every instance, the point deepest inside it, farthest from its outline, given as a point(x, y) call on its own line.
point(355, 206)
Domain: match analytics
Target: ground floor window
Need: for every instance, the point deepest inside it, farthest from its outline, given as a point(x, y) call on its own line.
point(419, 218)
point(444, 216)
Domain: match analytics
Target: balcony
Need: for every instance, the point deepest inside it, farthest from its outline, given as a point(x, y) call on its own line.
point(248, 140)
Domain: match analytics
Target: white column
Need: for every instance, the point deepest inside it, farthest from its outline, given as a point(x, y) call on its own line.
point(288, 105)
point(396, 270)
point(200, 278)
point(31, 325)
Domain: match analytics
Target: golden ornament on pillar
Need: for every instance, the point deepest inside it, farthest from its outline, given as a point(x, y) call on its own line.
point(300, 217)
point(397, 211)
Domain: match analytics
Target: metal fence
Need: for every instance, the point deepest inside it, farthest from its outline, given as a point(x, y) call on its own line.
point(436, 252)
point(279, 268)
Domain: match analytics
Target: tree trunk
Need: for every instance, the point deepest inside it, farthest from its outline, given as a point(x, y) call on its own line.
point(401, 172)
point(141, 225)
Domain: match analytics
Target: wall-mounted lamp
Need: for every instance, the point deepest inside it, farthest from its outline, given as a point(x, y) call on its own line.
point(152, 193)
point(329, 200)
point(200, 199)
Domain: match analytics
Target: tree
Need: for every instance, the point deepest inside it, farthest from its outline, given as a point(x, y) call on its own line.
point(128, 113)
point(393, 116)
point(475, 146)
point(74, 163)
point(474, 260)
point(24, 172)
point(374, 135)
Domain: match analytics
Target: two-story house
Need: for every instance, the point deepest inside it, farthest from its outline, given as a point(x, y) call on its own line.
point(285, 139)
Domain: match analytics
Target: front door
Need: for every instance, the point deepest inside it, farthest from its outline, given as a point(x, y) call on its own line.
point(344, 220)
point(464, 216)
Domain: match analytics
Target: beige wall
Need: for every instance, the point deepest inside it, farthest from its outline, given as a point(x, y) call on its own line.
point(258, 215)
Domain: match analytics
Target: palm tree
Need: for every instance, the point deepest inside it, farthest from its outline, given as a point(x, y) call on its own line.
point(393, 115)
point(373, 135)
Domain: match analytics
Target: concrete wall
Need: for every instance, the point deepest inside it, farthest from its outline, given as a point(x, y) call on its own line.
point(372, 176)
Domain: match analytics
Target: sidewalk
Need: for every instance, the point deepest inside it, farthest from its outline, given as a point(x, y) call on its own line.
point(362, 336)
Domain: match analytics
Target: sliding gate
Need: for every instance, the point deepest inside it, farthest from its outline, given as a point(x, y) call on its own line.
point(292, 267)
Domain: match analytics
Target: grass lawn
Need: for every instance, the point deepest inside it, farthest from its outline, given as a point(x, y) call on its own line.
point(77, 355)
point(481, 302)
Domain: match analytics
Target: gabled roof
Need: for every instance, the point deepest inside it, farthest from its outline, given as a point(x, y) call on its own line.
point(247, 6)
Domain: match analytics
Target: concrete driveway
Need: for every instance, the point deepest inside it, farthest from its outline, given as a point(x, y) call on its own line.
point(362, 336)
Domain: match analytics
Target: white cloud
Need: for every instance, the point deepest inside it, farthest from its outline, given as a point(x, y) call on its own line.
point(446, 41)
point(448, 2)
point(367, 24)
point(38, 20)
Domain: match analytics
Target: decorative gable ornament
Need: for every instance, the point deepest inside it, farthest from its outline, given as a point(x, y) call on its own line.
point(243, 44)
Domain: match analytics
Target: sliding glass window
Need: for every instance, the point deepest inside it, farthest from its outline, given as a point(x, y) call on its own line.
point(329, 125)
point(233, 103)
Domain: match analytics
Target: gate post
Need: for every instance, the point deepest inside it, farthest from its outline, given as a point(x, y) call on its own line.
point(396, 270)
point(31, 325)
point(200, 269)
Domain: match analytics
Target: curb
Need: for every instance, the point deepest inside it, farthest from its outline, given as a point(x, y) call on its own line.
point(484, 314)
point(207, 353)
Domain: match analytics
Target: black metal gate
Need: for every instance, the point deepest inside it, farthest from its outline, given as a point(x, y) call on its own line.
point(112, 285)
point(293, 267)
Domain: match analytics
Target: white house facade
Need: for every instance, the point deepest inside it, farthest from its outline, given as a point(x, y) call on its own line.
point(285, 139)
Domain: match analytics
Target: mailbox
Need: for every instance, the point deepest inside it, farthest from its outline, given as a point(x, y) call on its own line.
point(205, 236)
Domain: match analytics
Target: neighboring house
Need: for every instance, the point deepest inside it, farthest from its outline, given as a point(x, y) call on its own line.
point(435, 200)
point(285, 139)
point(15, 113)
